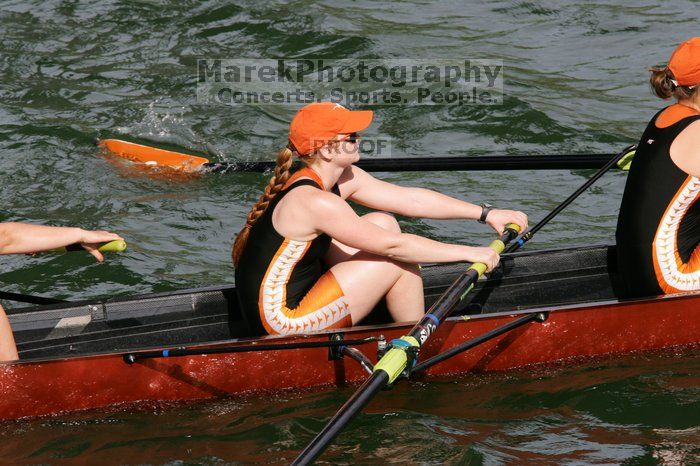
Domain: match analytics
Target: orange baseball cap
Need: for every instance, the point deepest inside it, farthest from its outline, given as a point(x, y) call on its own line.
point(319, 123)
point(685, 62)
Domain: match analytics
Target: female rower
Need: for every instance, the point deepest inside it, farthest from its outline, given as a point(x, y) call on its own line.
point(306, 261)
point(22, 238)
point(658, 228)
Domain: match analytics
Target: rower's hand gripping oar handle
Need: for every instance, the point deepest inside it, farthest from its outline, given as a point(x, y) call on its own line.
point(509, 232)
point(404, 351)
point(401, 356)
point(118, 245)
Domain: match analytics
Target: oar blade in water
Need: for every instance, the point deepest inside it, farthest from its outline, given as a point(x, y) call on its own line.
point(153, 156)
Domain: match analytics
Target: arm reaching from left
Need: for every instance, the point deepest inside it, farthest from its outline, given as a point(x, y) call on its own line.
point(24, 238)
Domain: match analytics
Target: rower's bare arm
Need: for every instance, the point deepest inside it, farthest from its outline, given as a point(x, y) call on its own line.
point(337, 219)
point(25, 238)
point(685, 150)
point(422, 203)
point(408, 201)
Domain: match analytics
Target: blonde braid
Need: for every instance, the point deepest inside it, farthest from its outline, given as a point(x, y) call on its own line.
point(274, 186)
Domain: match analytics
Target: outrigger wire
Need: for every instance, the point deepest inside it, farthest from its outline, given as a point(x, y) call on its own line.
point(131, 358)
point(490, 335)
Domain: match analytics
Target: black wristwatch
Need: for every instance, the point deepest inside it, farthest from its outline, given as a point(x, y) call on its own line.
point(485, 209)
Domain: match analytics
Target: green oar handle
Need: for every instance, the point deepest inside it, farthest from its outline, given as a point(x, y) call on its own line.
point(118, 245)
point(625, 161)
point(395, 361)
point(498, 246)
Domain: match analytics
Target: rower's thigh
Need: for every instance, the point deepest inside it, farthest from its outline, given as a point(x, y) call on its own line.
point(339, 252)
point(366, 278)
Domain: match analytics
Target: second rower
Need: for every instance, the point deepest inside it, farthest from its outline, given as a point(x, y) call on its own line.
point(305, 261)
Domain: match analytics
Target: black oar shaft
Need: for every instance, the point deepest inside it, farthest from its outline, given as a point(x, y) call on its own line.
point(441, 163)
point(527, 236)
point(25, 298)
point(345, 414)
point(397, 359)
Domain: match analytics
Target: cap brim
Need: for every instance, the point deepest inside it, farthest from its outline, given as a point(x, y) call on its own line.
point(359, 121)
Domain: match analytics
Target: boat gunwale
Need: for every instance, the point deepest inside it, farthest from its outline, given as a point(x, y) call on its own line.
point(596, 306)
point(232, 286)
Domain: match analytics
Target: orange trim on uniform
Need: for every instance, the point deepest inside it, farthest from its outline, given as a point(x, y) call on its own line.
point(305, 172)
point(324, 292)
point(665, 287)
point(673, 114)
point(693, 264)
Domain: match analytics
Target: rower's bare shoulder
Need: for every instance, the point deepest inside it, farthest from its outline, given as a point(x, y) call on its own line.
point(351, 180)
point(310, 196)
point(689, 138)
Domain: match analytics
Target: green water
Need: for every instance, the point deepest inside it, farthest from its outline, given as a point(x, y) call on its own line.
point(575, 81)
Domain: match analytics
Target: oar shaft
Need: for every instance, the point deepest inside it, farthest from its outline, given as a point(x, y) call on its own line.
point(455, 293)
point(397, 359)
point(527, 236)
point(345, 414)
point(484, 162)
point(25, 298)
point(408, 164)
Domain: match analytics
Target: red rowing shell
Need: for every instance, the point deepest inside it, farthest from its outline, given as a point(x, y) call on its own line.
point(49, 387)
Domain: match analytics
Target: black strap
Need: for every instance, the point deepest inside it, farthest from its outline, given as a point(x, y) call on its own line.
point(485, 209)
point(25, 298)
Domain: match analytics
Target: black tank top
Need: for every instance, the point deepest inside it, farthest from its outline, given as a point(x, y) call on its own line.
point(264, 243)
point(658, 218)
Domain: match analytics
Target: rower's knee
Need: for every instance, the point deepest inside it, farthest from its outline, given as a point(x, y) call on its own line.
point(412, 269)
point(405, 268)
point(384, 220)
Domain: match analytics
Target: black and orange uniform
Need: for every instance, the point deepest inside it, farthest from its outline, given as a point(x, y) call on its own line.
point(283, 287)
point(658, 229)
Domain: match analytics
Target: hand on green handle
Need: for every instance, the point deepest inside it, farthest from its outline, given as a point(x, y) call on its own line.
point(96, 249)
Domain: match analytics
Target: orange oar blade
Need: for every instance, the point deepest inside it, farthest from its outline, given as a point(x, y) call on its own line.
point(153, 156)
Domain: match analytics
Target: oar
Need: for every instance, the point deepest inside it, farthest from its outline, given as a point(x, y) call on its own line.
point(155, 157)
point(624, 159)
point(402, 353)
